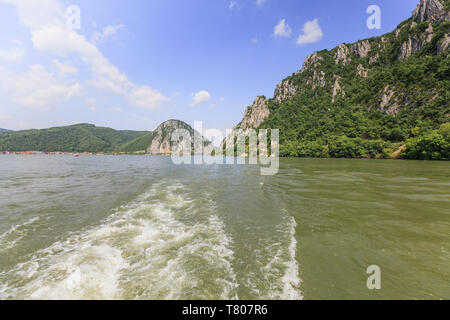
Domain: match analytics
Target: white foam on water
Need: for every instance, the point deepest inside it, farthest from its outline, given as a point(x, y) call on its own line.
point(278, 277)
point(163, 245)
point(16, 233)
point(291, 278)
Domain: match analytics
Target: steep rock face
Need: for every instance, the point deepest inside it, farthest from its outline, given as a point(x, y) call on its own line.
point(361, 49)
point(342, 55)
point(255, 114)
point(311, 61)
point(284, 90)
point(409, 47)
point(162, 144)
point(337, 89)
point(415, 43)
point(361, 71)
point(318, 79)
point(444, 44)
point(432, 10)
point(363, 60)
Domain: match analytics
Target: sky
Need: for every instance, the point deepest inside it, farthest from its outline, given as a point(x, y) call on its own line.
point(135, 64)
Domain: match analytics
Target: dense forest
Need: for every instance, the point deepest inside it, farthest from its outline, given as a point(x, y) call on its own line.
point(75, 138)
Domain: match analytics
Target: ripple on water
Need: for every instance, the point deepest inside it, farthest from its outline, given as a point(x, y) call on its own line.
point(144, 250)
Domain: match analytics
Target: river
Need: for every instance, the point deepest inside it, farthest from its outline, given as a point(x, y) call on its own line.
point(140, 227)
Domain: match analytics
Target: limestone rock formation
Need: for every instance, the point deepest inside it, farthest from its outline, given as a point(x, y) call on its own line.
point(342, 55)
point(255, 114)
point(284, 90)
point(361, 49)
point(162, 144)
point(432, 10)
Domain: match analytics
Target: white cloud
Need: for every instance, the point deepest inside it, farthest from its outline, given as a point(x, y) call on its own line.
point(282, 29)
point(254, 40)
point(65, 69)
point(107, 33)
point(46, 19)
point(37, 88)
point(146, 98)
point(114, 110)
point(200, 97)
point(13, 54)
point(232, 4)
point(311, 33)
point(260, 3)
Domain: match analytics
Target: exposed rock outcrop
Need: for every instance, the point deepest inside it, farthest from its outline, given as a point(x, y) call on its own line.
point(443, 44)
point(362, 72)
point(409, 47)
point(311, 61)
point(361, 49)
point(337, 89)
point(317, 80)
point(255, 114)
point(415, 43)
point(390, 101)
point(284, 90)
point(342, 55)
point(432, 10)
point(162, 144)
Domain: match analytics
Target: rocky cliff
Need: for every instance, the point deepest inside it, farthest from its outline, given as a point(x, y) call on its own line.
point(427, 29)
point(377, 88)
point(161, 138)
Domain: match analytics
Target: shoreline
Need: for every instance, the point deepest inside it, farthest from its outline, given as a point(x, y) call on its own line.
point(76, 154)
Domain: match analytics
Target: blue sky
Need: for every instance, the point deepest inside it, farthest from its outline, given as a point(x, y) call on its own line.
point(135, 64)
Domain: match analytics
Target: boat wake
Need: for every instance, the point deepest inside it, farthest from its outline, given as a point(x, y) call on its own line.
point(164, 245)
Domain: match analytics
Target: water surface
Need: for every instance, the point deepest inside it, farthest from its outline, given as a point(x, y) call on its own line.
point(139, 227)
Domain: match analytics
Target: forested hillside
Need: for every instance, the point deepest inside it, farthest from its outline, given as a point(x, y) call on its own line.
point(75, 138)
point(369, 98)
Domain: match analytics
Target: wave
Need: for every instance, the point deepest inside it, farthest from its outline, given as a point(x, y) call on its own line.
point(16, 233)
point(166, 244)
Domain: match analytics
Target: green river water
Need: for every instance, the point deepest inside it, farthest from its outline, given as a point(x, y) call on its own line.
point(140, 227)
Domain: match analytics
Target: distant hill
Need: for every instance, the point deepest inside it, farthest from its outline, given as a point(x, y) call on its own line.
point(4, 130)
point(89, 138)
point(159, 141)
point(75, 138)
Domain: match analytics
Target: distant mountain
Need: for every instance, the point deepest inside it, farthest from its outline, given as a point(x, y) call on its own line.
point(75, 138)
point(89, 138)
point(369, 98)
point(159, 141)
point(4, 130)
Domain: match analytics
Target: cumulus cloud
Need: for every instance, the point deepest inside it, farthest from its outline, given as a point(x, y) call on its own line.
point(311, 33)
point(108, 32)
point(200, 97)
point(37, 88)
point(146, 97)
point(49, 34)
point(232, 4)
point(13, 54)
point(282, 29)
point(65, 69)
